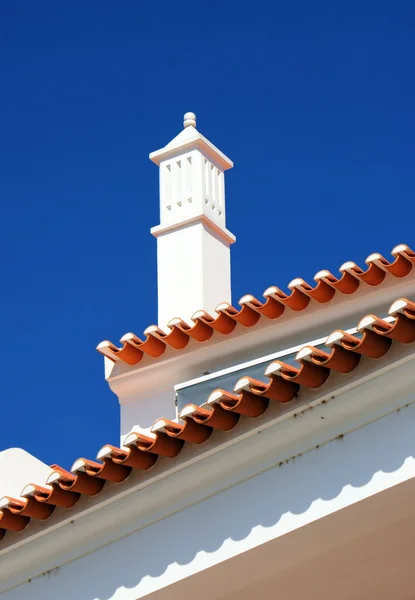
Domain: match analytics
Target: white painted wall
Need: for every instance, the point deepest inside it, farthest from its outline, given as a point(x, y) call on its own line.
point(141, 414)
point(193, 271)
point(229, 503)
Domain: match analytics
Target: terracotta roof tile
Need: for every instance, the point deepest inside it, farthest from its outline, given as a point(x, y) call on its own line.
point(250, 311)
point(130, 457)
point(78, 482)
point(108, 470)
point(52, 495)
point(222, 410)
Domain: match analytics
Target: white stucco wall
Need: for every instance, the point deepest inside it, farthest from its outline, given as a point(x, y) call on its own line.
point(193, 271)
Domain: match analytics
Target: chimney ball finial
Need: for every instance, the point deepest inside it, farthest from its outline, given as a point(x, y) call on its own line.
point(189, 119)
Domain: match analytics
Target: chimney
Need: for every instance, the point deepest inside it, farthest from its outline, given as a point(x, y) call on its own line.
point(193, 244)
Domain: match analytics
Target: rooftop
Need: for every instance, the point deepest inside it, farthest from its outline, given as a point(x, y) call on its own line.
point(285, 384)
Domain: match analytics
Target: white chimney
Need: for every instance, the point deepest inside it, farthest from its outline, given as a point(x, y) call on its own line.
point(193, 244)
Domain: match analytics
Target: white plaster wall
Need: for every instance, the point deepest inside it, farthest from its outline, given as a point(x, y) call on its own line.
point(217, 270)
point(179, 269)
point(255, 511)
point(193, 272)
point(141, 412)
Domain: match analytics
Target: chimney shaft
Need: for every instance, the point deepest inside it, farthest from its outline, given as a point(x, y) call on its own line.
point(193, 244)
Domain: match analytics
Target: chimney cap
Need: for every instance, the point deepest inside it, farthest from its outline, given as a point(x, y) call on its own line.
point(189, 139)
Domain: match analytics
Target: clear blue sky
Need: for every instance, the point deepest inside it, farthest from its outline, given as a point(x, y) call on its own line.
point(314, 102)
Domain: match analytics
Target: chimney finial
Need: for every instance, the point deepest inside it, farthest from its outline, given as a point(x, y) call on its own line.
point(189, 119)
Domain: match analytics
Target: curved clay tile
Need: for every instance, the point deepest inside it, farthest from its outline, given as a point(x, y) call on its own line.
point(200, 331)
point(176, 338)
point(338, 358)
point(322, 292)
point(130, 457)
point(152, 345)
point(271, 308)
point(399, 331)
point(107, 469)
point(157, 443)
point(400, 267)
point(128, 353)
point(370, 344)
point(245, 403)
point(373, 275)
point(222, 322)
point(75, 482)
point(27, 507)
point(297, 300)
point(403, 307)
point(246, 316)
point(188, 430)
point(277, 389)
point(214, 416)
point(346, 284)
point(12, 522)
point(308, 373)
point(227, 317)
point(51, 495)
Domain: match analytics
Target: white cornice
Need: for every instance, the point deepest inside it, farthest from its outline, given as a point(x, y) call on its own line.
point(224, 234)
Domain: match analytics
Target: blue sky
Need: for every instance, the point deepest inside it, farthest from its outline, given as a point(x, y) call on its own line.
point(314, 102)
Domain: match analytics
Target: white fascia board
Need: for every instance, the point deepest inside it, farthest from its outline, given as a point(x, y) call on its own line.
point(291, 329)
point(285, 434)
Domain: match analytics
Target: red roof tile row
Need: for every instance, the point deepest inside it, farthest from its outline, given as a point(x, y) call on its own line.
point(327, 285)
point(221, 411)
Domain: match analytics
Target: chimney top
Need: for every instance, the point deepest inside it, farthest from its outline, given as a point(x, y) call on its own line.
point(190, 139)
